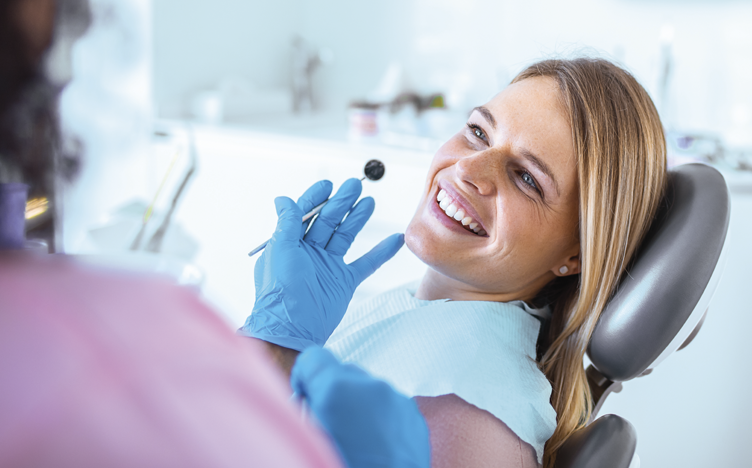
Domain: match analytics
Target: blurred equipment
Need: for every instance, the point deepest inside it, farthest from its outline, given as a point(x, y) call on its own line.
point(305, 61)
point(150, 209)
point(697, 147)
point(16, 215)
point(658, 309)
point(155, 243)
point(12, 215)
point(363, 120)
point(36, 207)
point(143, 236)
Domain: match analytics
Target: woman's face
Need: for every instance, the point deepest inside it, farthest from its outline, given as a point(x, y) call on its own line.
point(512, 172)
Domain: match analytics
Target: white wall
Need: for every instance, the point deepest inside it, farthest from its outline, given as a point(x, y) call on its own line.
point(199, 42)
point(475, 45)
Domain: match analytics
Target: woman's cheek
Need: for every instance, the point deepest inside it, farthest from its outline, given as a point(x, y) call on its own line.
point(451, 151)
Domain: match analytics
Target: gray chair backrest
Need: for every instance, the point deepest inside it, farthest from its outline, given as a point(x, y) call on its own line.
point(658, 307)
point(665, 294)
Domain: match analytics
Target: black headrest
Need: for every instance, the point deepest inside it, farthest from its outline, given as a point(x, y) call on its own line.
point(665, 293)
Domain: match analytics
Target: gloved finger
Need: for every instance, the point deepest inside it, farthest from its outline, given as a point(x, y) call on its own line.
point(289, 219)
point(343, 237)
point(364, 267)
point(314, 196)
point(310, 366)
point(333, 213)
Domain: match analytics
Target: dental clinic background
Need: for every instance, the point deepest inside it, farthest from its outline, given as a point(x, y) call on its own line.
point(240, 101)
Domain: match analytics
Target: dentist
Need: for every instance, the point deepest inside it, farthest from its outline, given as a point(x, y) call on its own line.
point(105, 368)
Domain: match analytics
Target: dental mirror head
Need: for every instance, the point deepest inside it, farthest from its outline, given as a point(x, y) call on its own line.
point(374, 170)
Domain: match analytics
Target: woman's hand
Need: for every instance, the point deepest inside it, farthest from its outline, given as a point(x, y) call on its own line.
point(303, 285)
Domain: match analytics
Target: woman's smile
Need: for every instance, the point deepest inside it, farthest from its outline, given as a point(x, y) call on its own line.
point(455, 211)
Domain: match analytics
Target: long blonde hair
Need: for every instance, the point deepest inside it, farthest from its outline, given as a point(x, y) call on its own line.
point(620, 151)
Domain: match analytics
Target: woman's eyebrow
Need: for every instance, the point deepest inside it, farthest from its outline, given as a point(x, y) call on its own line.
point(487, 114)
point(540, 164)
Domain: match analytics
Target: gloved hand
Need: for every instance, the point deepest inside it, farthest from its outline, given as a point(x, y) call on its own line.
point(372, 424)
point(303, 285)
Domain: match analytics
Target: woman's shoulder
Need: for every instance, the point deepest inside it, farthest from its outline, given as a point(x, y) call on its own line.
point(476, 350)
point(464, 435)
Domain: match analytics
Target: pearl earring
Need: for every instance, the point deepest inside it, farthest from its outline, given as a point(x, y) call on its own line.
point(563, 270)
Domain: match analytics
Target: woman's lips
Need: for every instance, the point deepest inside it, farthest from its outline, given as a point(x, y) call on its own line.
point(458, 209)
point(453, 215)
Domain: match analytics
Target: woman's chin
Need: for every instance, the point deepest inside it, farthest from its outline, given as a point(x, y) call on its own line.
point(414, 241)
point(422, 244)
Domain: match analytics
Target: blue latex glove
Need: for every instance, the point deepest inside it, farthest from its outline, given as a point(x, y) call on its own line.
point(303, 285)
point(372, 425)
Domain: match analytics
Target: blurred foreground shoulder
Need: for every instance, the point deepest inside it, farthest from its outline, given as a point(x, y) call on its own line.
point(105, 368)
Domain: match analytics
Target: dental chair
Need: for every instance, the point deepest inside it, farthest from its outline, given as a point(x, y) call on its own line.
point(658, 308)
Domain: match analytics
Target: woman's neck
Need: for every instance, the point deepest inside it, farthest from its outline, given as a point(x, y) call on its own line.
point(435, 285)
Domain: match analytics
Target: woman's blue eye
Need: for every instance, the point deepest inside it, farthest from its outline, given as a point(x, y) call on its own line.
point(528, 179)
point(477, 131)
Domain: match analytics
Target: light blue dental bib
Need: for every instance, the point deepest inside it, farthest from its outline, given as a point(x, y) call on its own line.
point(484, 352)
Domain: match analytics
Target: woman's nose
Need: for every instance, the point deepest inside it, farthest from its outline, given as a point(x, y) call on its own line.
point(480, 170)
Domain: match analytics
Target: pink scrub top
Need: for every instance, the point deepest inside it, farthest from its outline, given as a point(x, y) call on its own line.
point(107, 369)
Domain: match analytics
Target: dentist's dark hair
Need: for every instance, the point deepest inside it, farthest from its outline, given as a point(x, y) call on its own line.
point(620, 153)
point(29, 133)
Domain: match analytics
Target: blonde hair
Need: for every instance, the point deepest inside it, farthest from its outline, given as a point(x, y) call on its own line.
point(620, 151)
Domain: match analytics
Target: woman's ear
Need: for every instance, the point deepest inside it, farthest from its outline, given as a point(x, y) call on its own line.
point(570, 266)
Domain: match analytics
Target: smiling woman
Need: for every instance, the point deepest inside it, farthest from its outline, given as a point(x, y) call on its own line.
point(526, 204)
point(529, 217)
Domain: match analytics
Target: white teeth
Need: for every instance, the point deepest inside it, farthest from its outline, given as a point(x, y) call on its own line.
point(451, 210)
